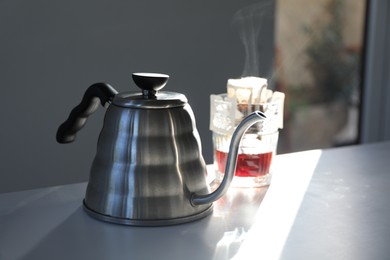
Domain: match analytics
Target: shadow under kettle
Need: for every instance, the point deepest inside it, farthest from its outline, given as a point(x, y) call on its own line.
point(148, 169)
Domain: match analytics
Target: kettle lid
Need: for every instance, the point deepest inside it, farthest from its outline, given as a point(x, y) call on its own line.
point(150, 97)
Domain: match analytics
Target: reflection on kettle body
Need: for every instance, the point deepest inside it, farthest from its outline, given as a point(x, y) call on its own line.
point(148, 169)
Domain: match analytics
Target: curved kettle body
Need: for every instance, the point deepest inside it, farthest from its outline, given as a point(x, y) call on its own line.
point(147, 165)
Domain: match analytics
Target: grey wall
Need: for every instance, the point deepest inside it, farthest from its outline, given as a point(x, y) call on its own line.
point(51, 51)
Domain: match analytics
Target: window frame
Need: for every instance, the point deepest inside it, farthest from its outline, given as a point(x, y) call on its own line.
point(375, 99)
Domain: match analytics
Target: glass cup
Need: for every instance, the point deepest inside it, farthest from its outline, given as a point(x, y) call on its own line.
point(254, 160)
point(258, 145)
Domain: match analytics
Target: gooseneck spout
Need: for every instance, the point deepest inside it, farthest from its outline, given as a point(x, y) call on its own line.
point(197, 199)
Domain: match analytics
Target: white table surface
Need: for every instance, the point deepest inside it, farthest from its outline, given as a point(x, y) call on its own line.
point(322, 204)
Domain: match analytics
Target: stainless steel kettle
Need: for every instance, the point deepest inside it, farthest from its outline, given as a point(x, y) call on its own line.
point(148, 169)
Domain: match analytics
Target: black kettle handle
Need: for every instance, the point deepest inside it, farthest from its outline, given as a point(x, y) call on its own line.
point(95, 94)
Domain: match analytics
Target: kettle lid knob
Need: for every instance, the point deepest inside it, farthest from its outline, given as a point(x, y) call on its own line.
point(150, 83)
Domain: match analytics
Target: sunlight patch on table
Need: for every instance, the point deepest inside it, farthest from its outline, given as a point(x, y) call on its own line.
point(277, 212)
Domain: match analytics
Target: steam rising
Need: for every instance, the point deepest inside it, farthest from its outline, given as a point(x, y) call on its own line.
point(251, 23)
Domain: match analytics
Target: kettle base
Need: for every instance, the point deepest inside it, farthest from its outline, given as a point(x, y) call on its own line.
point(148, 222)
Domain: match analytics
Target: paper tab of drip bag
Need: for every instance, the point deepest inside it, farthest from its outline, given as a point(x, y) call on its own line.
point(223, 113)
point(278, 97)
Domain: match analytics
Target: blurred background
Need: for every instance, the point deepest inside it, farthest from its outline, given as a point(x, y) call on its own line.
point(330, 57)
point(318, 54)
